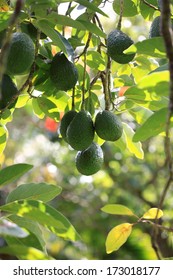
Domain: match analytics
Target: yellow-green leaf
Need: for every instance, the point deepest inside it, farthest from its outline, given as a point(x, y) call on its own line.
point(117, 237)
point(134, 148)
point(152, 213)
point(117, 209)
point(3, 138)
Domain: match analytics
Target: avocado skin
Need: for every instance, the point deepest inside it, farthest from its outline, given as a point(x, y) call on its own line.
point(9, 90)
point(108, 126)
point(117, 43)
point(63, 73)
point(21, 54)
point(89, 161)
point(65, 121)
point(80, 132)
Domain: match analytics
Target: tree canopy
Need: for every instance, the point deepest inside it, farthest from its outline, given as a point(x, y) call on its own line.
point(99, 59)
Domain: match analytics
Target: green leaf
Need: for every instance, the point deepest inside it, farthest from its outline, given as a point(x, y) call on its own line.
point(91, 6)
point(129, 8)
point(146, 11)
point(153, 47)
point(153, 126)
point(47, 28)
point(95, 60)
point(13, 172)
point(36, 108)
point(117, 209)
point(117, 237)
point(11, 229)
point(29, 241)
point(3, 138)
point(140, 114)
point(45, 215)
point(4, 20)
point(65, 21)
point(31, 226)
point(85, 21)
point(134, 148)
point(48, 107)
point(152, 213)
point(41, 191)
point(155, 79)
point(25, 253)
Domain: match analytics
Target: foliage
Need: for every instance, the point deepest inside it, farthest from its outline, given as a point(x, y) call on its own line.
point(137, 91)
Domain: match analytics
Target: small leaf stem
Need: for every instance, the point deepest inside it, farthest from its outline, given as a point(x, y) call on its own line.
point(121, 14)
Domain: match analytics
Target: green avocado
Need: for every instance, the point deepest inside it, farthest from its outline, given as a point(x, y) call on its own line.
point(89, 161)
point(21, 54)
point(108, 126)
point(80, 132)
point(117, 43)
point(65, 121)
point(63, 73)
point(8, 91)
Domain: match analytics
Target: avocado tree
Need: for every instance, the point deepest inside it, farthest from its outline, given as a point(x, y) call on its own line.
point(110, 88)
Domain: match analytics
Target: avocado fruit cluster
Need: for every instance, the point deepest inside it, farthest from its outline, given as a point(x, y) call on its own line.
point(78, 130)
point(20, 57)
point(63, 73)
point(117, 43)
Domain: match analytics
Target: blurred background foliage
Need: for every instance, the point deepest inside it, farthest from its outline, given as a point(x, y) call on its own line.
point(124, 178)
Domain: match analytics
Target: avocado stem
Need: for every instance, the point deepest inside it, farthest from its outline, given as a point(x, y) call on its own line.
point(121, 14)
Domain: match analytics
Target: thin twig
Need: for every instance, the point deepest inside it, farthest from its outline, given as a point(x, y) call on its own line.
point(150, 5)
point(167, 36)
point(121, 14)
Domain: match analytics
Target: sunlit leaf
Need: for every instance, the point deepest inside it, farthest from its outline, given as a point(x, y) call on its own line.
point(140, 114)
point(41, 191)
point(117, 237)
point(117, 209)
point(13, 172)
point(43, 214)
point(154, 125)
point(154, 79)
point(152, 213)
point(24, 252)
point(36, 108)
point(129, 8)
point(4, 6)
point(3, 138)
point(134, 148)
point(11, 229)
point(152, 47)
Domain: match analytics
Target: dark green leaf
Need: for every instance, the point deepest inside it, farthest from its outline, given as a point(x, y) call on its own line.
point(41, 191)
point(58, 40)
point(45, 215)
point(13, 172)
point(31, 226)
